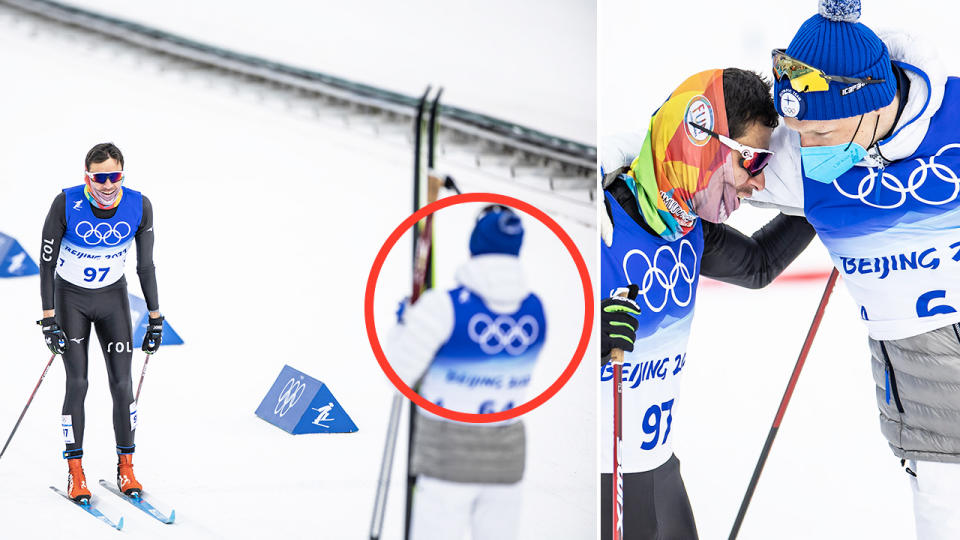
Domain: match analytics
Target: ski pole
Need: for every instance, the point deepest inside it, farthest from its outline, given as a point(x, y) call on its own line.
point(143, 373)
point(417, 160)
point(783, 404)
point(424, 269)
point(29, 401)
point(386, 467)
point(420, 273)
point(616, 358)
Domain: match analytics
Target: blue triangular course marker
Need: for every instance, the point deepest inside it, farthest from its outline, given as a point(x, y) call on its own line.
point(140, 316)
point(14, 261)
point(297, 403)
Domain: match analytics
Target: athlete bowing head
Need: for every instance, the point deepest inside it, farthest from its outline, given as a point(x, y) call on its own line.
point(704, 149)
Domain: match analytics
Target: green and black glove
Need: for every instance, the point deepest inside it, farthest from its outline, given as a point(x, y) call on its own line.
point(618, 322)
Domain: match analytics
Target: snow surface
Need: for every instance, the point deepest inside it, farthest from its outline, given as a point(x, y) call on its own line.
point(830, 473)
point(530, 62)
point(268, 220)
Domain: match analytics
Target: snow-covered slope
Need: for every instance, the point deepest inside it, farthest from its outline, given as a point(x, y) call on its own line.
point(529, 62)
point(267, 222)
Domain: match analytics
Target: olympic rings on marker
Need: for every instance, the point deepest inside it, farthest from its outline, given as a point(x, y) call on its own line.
point(289, 396)
point(914, 182)
point(110, 235)
point(503, 333)
point(669, 282)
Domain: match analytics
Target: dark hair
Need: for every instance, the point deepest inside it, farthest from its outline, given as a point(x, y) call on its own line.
point(105, 151)
point(748, 100)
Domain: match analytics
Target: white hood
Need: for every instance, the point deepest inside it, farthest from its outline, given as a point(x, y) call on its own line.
point(498, 279)
point(411, 346)
point(924, 99)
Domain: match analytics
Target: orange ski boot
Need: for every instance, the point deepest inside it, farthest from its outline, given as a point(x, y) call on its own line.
point(77, 482)
point(126, 481)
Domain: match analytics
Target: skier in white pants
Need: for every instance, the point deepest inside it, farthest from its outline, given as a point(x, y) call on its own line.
point(472, 349)
point(871, 155)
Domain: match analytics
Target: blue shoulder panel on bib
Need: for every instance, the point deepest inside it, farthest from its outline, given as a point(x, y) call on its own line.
point(909, 195)
point(482, 335)
point(86, 229)
point(666, 272)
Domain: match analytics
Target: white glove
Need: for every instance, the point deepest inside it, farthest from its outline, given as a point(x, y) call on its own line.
point(606, 226)
point(619, 150)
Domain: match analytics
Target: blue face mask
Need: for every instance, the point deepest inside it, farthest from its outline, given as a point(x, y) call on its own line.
point(826, 163)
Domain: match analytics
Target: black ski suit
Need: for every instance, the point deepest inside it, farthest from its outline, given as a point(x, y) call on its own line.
point(108, 310)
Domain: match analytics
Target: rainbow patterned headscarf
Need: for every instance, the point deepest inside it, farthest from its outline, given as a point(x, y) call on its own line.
point(683, 173)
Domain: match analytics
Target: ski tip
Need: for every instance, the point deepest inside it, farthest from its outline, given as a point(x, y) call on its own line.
point(120, 524)
point(173, 516)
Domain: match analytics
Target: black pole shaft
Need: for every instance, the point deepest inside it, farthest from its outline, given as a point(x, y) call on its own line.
point(432, 134)
point(418, 287)
point(387, 460)
point(753, 482)
point(433, 125)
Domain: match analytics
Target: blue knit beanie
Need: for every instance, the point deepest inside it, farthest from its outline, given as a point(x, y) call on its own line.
point(835, 43)
point(498, 230)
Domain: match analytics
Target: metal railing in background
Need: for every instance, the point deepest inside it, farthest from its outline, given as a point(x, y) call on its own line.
point(567, 165)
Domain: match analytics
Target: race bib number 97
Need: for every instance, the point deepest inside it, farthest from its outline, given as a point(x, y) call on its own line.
point(657, 420)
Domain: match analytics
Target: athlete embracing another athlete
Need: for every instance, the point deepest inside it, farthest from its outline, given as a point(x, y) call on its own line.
point(86, 237)
point(662, 228)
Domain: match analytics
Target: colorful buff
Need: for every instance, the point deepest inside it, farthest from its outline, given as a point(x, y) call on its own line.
point(683, 173)
point(97, 200)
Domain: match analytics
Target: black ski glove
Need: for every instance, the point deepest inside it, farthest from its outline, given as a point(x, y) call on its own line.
point(56, 340)
point(618, 323)
point(154, 335)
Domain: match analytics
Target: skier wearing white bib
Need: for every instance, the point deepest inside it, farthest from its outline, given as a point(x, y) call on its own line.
point(871, 157)
point(473, 350)
point(86, 238)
